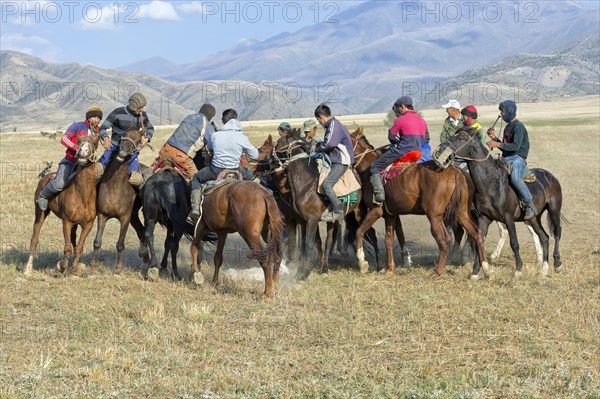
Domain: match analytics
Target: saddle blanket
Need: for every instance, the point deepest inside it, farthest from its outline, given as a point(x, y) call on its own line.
point(347, 184)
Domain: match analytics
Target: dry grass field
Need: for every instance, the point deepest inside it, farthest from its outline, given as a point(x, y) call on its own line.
point(406, 335)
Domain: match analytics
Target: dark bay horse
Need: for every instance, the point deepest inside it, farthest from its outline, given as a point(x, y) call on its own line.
point(302, 176)
point(495, 199)
point(249, 209)
point(118, 199)
point(421, 189)
point(278, 183)
point(75, 205)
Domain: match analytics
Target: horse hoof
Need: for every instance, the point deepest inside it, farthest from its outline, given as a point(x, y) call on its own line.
point(517, 275)
point(474, 277)
point(198, 278)
point(545, 270)
point(559, 268)
point(364, 266)
point(325, 274)
point(152, 274)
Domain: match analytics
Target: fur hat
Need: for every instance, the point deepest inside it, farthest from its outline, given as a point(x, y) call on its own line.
point(469, 110)
point(137, 101)
point(93, 111)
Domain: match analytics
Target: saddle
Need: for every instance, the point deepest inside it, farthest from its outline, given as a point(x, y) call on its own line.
point(404, 162)
point(167, 164)
point(528, 175)
point(347, 184)
point(224, 178)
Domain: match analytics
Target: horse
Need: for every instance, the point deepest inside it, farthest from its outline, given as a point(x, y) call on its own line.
point(421, 189)
point(303, 178)
point(118, 199)
point(355, 219)
point(283, 196)
point(247, 208)
point(495, 199)
point(75, 205)
point(166, 200)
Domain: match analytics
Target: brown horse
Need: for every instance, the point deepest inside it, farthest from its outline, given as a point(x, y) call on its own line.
point(75, 205)
point(118, 199)
point(422, 189)
point(249, 209)
point(290, 154)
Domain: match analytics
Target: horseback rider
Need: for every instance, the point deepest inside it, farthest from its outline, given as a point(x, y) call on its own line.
point(453, 122)
point(337, 144)
point(310, 129)
point(515, 149)
point(227, 145)
point(469, 114)
point(191, 136)
point(131, 116)
point(67, 166)
point(408, 133)
point(284, 129)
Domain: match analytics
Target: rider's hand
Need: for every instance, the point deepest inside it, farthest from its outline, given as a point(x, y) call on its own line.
point(106, 143)
point(144, 142)
point(491, 133)
point(493, 144)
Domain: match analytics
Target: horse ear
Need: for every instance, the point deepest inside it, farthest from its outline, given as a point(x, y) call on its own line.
point(270, 140)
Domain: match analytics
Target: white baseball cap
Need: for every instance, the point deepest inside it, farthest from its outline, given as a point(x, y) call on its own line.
point(452, 104)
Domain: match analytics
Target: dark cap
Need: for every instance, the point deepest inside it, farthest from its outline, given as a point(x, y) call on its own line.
point(404, 100)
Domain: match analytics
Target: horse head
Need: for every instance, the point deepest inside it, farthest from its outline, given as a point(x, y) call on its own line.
point(86, 149)
point(130, 143)
point(465, 144)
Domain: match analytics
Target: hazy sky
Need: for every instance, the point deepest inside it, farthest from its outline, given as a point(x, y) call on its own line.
point(111, 34)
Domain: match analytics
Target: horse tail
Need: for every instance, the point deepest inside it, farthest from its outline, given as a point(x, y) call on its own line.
point(451, 214)
point(274, 245)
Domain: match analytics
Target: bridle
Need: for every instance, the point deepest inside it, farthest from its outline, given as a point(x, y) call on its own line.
point(446, 156)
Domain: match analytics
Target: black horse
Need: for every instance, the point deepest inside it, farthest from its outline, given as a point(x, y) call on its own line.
point(495, 199)
point(166, 200)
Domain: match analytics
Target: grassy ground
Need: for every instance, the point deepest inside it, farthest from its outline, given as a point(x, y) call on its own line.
point(344, 336)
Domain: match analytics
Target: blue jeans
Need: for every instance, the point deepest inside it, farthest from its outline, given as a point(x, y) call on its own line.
point(337, 171)
point(63, 175)
point(134, 165)
point(425, 153)
point(386, 159)
point(516, 177)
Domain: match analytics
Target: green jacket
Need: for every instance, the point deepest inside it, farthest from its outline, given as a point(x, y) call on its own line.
point(481, 130)
point(448, 129)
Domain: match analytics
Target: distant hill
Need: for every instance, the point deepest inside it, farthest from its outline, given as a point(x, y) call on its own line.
point(572, 70)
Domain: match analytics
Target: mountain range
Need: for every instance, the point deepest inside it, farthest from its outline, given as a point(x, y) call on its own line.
point(374, 53)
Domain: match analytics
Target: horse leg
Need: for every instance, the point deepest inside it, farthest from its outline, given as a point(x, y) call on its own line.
point(121, 242)
point(306, 264)
point(85, 231)
point(371, 236)
point(389, 242)
point(369, 220)
point(319, 246)
point(440, 233)
point(201, 229)
point(329, 246)
point(556, 230)
point(63, 265)
point(174, 249)
point(40, 217)
point(514, 244)
point(98, 240)
point(503, 231)
point(406, 260)
point(218, 258)
point(478, 239)
point(539, 251)
point(149, 238)
point(536, 225)
point(292, 239)
point(138, 226)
